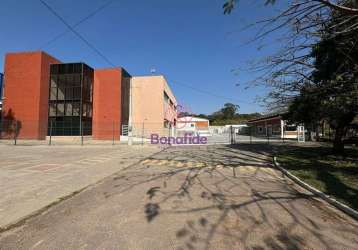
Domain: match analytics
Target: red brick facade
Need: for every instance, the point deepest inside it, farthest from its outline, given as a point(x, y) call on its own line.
point(107, 104)
point(26, 93)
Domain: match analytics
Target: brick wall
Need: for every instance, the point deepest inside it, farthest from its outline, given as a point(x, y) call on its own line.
point(107, 104)
point(26, 77)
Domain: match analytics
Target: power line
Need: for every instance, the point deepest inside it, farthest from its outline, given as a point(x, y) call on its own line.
point(208, 92)
point(76, 33)
point(93, 13)
point(71, 28)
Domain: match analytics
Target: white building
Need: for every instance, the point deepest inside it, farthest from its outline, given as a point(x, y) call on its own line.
point(191, 124)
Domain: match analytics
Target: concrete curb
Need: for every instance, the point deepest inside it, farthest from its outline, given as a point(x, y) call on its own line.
point(350, 211)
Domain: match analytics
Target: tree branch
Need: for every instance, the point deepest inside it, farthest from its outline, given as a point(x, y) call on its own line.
point(343, 9)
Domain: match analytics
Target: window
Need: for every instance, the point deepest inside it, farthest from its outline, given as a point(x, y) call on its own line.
point(77, 93)
point(291, 128)
point(70, 88)
point(60, 94)
point(68, 109)
point(60, 109)
point(52, 111)
point(276, 129)
point(89, 111)
point(166, 124)
point(69, 93)
point(53, 94)
point(53, 82)
point(166, 97)
point(84, 110)
point(76, 108)
point(76, 80)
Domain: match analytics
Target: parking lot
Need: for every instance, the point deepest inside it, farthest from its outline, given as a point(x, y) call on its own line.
point(189, 197)
point(33, 177)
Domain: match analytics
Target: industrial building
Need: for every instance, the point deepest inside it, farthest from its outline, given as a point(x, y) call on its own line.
point(154, 107)
point(44, 96)
point(273, 125)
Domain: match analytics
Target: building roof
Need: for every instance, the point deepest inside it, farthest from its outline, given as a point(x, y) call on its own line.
point(236, 125)
point(192, 119)
point(266, 117)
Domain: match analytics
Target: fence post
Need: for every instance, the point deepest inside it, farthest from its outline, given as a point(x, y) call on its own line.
point(250, 135)
point(283, 134)
point(50, 142)
point(81, 132)
point(113, 133)
point(15, 135)
point(231, 135)
point(268, 138)
point(142, 133)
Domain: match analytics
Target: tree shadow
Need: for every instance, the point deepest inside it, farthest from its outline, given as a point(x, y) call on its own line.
point(335, 175)
point(10, 127)
point(225, 195)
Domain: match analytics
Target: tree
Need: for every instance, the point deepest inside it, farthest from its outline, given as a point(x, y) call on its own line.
point(306, 109)
point(304, 22)
point(332, 93)
point(335, 79)
point(229, 5)
point(229, 110)
point(315, 71)
point(184, 114)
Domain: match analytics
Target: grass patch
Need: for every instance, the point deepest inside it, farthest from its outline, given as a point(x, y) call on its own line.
point(336, 176)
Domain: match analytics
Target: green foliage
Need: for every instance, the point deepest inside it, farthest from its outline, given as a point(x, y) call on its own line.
point(332, 93)
point(237, 119)
point(229, 5)
point(229, 110)
point(336, 176)
point(226, 115)
point(229, 115)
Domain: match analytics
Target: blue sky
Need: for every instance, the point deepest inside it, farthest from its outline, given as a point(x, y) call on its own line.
point(191, 42)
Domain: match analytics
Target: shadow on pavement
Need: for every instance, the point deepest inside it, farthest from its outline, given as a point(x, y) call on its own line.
point(230, 197)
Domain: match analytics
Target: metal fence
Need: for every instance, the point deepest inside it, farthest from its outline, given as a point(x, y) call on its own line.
point(247, 135)
point(27, 132)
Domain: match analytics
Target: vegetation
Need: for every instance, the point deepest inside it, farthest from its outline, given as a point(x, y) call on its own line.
point(334, 175)
point(331, 92)
point(225, 116)
point(315, 72)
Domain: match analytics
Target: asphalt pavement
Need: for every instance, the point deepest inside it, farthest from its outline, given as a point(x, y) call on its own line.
point(191, 197)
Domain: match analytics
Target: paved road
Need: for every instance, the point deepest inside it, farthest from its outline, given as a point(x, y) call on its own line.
point(33, 177)
point(207, 197)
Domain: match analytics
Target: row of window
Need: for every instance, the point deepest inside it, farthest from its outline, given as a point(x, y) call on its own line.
point(70, 94)
point(68, 68)
point(276, 128)
point(68, 126)
point(65, 94)
point(65, 81)
point(169, 101)
point(69, 109)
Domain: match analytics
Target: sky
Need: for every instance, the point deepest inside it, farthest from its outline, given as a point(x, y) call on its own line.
point(192, 43)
